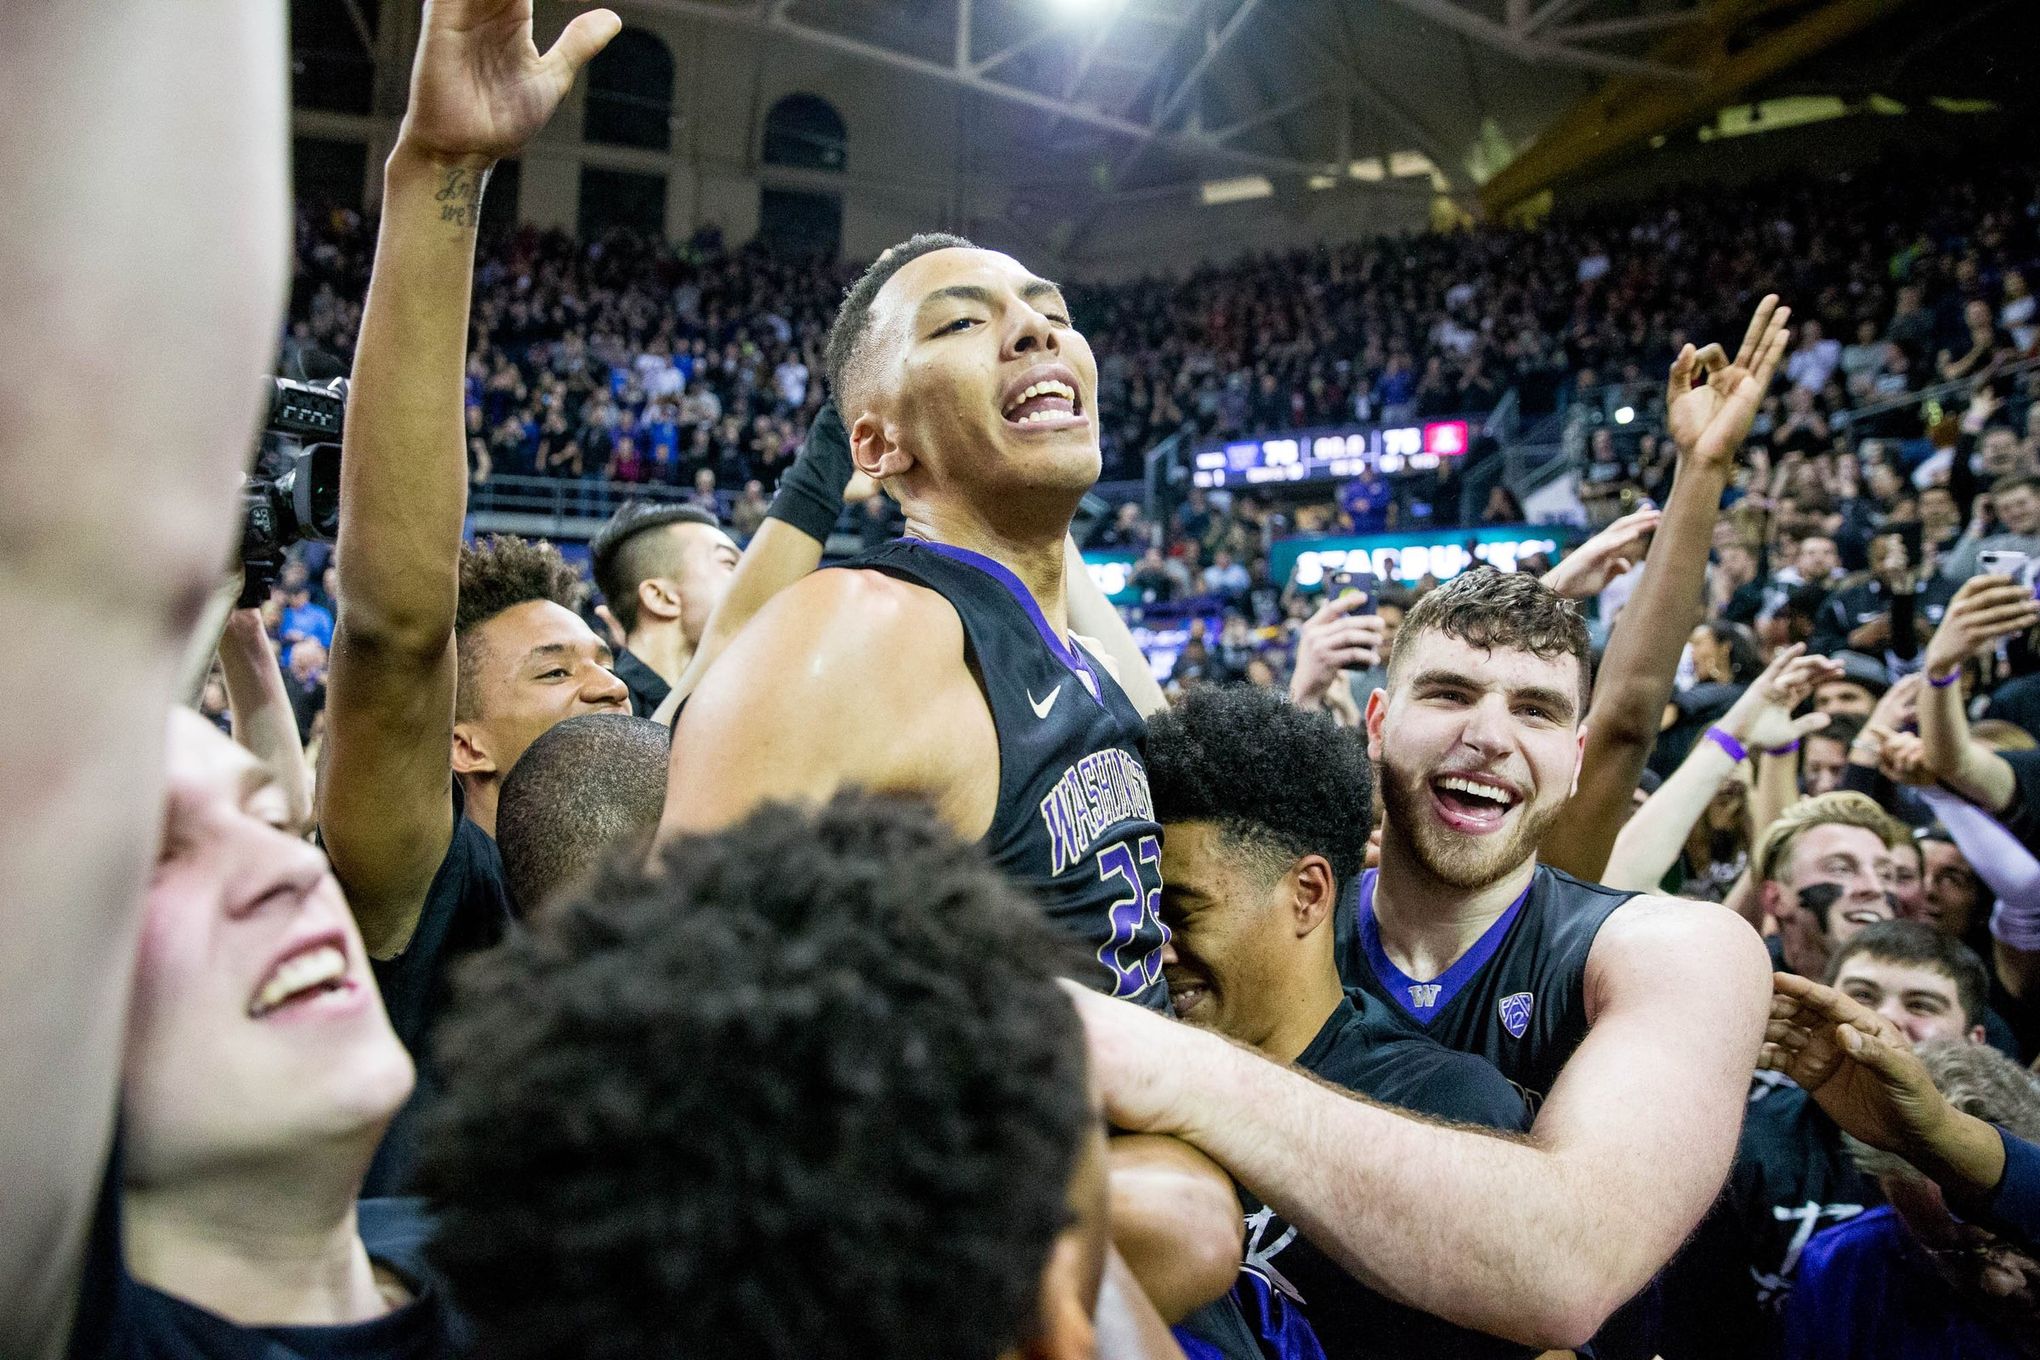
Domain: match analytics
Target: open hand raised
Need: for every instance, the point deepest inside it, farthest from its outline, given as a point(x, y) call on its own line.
point(480, 88)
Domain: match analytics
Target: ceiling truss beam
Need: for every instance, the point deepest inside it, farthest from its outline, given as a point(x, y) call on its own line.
point(1528, 46)
point(971, 78)
point(1599, 29)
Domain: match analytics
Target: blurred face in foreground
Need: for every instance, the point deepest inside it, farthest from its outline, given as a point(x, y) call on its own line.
point(255, 1032)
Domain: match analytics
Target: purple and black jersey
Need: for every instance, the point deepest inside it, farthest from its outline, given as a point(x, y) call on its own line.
point(1075, 824)
point(1516, 998)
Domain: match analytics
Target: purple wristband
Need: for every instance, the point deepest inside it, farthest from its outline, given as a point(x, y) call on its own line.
point(1787, 749)
point(1729, 744)
point(1943, 681)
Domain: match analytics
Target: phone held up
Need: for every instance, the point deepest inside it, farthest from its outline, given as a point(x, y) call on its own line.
point(1340, 584)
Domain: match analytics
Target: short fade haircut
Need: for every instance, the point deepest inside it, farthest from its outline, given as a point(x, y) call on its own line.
point(1843, 807)
point(626, 553)
point(803, 1089)
point(589, 786)
point(844, 355)
point(1919, 945)
point(1977, 1080)
point(1491, 609)
point(2013, 481)
point(497, 573)
point(1208, 760)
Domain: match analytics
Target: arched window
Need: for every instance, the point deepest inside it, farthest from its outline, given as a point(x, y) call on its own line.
point(806, 132)
point(630, 93)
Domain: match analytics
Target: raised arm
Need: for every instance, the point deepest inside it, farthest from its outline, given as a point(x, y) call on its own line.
point(1984, 610)
point(1709, 422)
point(479, 90)
point(1535, 1239)
point(1861, 1071)
point(264, 721)
point(1760, 719)
point(143, 239)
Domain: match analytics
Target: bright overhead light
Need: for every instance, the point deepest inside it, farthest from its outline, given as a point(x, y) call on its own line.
point(1624, 414)
point(1216, 191)
point(1368, 170)
point(1324, 181)
point(1081, 9)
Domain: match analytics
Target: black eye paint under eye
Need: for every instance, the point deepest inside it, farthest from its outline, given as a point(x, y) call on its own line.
point(1818, 898)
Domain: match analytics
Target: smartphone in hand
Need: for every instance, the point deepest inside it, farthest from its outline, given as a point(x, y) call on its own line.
point(1340, 584)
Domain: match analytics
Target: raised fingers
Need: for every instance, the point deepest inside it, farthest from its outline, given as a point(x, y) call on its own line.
point(1759, 327)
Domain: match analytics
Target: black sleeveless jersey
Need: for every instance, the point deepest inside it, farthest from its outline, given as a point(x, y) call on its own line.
point(1516, 998)
point(1075, 824)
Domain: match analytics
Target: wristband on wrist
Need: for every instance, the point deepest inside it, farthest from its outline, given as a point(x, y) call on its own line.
point(1729, 744)
point(1787, 749)
point(1943, 681)
point(810, 495)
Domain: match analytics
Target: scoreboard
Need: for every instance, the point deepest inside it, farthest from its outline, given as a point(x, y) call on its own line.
point(1326, 455)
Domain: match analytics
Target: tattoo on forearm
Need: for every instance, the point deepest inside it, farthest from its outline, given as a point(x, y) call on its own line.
point(460, 197)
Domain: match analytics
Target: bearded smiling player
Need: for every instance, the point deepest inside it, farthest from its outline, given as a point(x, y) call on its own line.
point(1631, 1022)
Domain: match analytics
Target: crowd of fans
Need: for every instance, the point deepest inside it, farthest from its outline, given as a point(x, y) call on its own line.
point(742, 958)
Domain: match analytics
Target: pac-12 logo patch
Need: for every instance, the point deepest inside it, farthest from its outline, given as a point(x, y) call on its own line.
point(1515, 1009)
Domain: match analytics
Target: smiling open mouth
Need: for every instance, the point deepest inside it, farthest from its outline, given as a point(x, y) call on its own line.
point(311, 973)
point(1186, 993)
point(1050, 401)
point(1473, 803)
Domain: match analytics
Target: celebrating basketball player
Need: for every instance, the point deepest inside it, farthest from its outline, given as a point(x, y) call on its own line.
point(945, 664)
point(1633, 1021)
point(950, 665)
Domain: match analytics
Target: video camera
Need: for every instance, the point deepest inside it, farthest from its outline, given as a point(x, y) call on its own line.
point(293, 493)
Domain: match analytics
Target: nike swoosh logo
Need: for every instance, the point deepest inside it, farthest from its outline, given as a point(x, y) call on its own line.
point(1041, 706)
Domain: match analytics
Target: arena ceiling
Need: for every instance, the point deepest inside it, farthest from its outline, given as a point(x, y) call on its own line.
point(1102, 102)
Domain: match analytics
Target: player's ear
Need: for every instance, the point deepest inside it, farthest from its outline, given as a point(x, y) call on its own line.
point(657, 598)
point(1377, 713)
point(1314, 893)
point(875, 448)
point(1579, 761)
point(471, 751)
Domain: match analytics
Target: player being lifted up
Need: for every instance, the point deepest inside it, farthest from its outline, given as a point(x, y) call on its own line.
point(949, 663)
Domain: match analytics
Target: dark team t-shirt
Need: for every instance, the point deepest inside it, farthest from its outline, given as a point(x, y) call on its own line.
point(1792, 1178)
point(120, 1318)
point(467, 909)
point(1292, 1294)
point(648, 689)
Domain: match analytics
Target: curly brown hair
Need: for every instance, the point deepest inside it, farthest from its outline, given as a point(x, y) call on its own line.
point(499, 573)
point(1492, 610)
